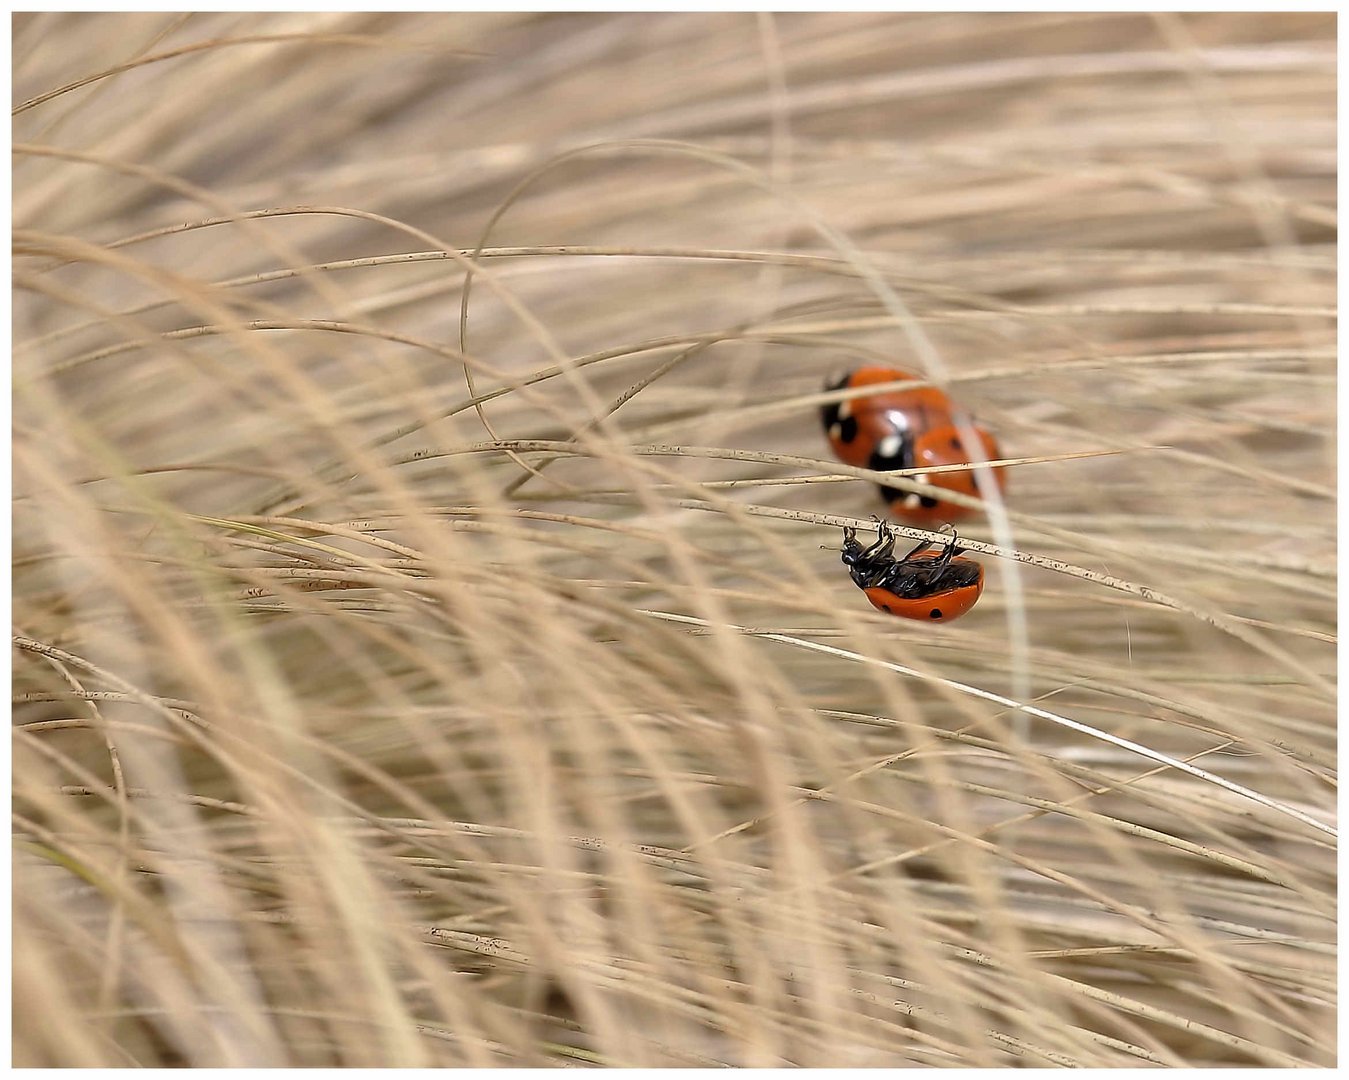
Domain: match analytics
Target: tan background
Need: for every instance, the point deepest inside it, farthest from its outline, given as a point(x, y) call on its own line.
point(344, 740)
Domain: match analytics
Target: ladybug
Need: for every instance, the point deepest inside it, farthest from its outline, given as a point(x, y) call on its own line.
point(904, 429)
point(934, 588)
point(941, 446)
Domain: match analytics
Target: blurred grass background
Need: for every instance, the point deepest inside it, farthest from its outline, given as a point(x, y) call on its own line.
point(411, 673)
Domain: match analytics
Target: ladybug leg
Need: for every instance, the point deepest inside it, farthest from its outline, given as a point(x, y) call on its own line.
point(944, 560)
point(865, 574)
point(930, 574)
point(868, 566)
point(880, 550)
point(948, 553)
point(928, 543)
point(922, 546)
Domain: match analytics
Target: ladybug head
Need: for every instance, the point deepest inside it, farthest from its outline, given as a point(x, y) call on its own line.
point(852, 547)
point(854, 554)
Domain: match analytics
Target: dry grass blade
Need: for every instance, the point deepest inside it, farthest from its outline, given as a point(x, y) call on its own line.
point(1031, 710)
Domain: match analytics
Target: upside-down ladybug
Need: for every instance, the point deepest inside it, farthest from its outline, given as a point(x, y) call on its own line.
point(934, 588)
point(905, 429)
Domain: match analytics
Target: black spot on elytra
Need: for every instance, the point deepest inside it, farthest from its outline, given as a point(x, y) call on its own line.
point(829, 413)
point(890, 494)
point(831, 416)
point(902, 460)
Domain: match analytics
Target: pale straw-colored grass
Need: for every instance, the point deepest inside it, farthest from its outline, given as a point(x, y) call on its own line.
point(431, 642)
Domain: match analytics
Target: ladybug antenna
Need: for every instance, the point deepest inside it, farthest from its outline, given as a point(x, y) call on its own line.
point(849, 537)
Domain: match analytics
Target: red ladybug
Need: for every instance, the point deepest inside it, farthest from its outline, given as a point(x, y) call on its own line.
point(934, 588)
point(904, 429)
point(942, 446)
